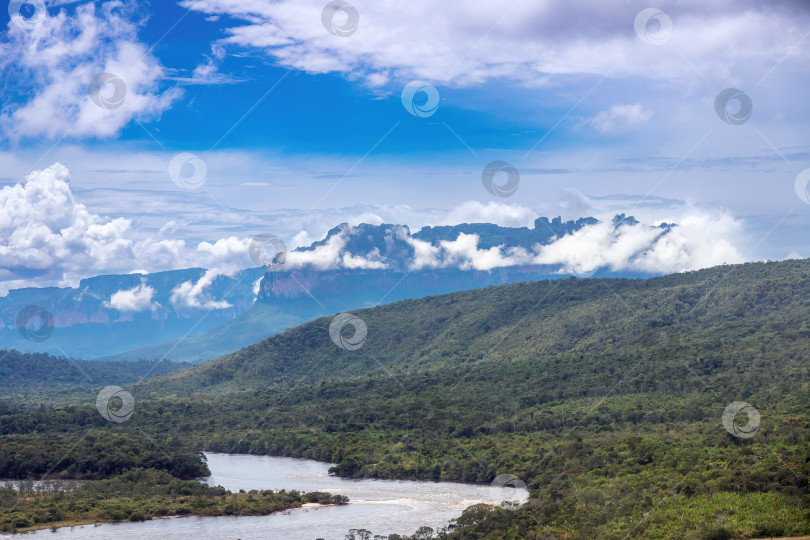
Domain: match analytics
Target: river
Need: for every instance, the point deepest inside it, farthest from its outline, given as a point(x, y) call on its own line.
point(381, 506)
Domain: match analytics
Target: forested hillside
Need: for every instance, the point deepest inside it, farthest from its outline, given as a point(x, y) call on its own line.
point(35, 374)
point(716, 318)
point(606, 397)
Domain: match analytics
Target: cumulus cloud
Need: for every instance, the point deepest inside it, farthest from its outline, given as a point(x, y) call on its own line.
point(47, 236)
point(136, 299)
point(467, 43)
point(700, 240)
point(45, 233)
point(55, 63)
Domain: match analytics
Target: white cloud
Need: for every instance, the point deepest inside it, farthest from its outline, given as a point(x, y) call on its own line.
point(331, 254)
point(192, 295)
point(136, 299)
point(464, 253)
point(530, 42)
point(503, 214)
point(426, 255)
point(700, 240)
point(55, 62)
point(257, 286)
point(619, 118)
point(48, 237)
point(45, 233)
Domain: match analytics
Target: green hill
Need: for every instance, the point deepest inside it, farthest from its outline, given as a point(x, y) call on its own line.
point(35, 375)
point(661, 328)
point(257, 322)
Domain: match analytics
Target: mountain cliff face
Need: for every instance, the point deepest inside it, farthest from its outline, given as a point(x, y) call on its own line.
point(395, 246)
point(395, 273)
point(195, 315)
point(87, 324)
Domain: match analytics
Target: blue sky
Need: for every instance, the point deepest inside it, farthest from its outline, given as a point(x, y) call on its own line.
point(601, 108)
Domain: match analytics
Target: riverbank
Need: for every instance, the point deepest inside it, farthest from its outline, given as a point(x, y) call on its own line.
point(79, 523)
point(142, 495)
point(382, 506)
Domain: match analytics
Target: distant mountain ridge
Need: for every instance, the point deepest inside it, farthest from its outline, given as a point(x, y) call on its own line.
point(388, 242)
point(85, 325)
point(375, 264)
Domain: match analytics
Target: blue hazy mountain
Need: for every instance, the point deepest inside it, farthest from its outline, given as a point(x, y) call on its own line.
point(86, 325)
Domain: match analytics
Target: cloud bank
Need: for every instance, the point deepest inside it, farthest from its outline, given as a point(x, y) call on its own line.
point(469, 43)
point(700, 240)
point(47, 237)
